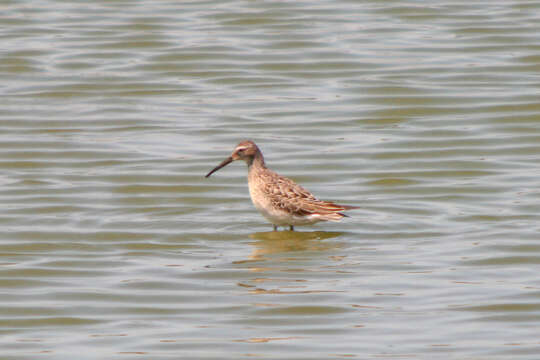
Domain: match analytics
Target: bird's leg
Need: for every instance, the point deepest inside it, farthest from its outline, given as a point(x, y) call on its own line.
point(275, 227)
point(291, 228)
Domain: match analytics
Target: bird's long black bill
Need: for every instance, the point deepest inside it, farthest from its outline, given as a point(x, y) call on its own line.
point(225, 162)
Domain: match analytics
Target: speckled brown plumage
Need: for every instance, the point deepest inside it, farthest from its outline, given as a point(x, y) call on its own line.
point(279, 199)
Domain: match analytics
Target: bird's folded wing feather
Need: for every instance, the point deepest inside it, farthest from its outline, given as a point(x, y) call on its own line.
point(293, 198)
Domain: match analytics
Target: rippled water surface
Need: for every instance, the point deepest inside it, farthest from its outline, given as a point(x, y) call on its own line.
point(425, 114)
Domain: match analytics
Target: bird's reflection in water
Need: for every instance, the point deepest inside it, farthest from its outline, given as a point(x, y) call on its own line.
point(283, 261)
point(275, 242)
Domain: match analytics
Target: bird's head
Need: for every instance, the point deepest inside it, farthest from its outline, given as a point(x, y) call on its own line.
point(246, 150)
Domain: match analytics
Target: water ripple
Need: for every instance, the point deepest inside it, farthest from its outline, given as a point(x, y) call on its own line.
point(424, 115)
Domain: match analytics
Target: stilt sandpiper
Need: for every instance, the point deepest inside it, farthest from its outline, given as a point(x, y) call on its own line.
point(279, 199)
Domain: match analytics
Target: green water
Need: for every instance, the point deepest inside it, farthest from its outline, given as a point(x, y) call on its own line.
point(113, 245)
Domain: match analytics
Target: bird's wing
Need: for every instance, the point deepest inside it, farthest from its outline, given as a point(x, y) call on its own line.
point(293, 198)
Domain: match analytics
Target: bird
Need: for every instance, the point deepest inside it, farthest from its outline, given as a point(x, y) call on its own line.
point(279, 199)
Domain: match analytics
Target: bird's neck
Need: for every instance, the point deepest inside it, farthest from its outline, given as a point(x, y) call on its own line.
point(256, 162)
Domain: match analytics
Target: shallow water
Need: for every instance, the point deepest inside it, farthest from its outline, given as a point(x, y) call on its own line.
point(426, 115)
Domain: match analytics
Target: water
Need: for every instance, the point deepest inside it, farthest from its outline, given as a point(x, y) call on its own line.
point(113, 245)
